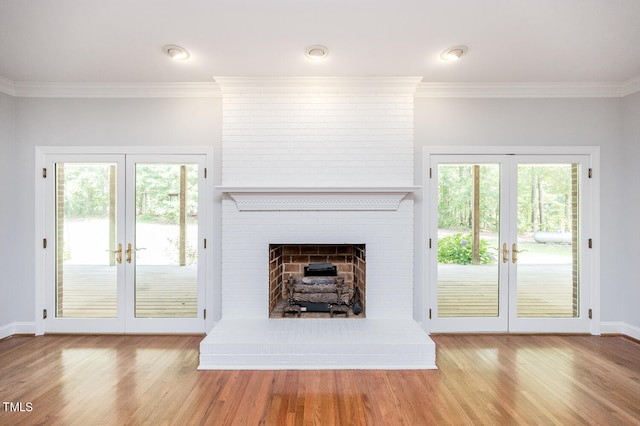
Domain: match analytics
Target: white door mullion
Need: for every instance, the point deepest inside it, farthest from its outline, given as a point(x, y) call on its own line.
point(121, 239)
point(511, 216)
point(508, 225)
point(129, 243)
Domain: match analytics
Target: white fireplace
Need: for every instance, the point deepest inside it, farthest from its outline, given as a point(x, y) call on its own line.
point(317, 161)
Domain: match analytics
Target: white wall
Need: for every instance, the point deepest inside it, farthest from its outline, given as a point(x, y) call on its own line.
point(628, 242)
point(95, 122)
point(8, 214)
point(540, 122)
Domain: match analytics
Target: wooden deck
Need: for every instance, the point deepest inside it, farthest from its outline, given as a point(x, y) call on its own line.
point(161, 292)
point(472, 291)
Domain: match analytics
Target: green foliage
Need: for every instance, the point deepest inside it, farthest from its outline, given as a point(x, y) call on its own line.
point(545, 197)
point(158, 190)
point(457, 249)
point(455, 194)
point(87, 191)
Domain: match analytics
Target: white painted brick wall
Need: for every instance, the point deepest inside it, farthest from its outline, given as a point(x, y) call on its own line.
point(319, 139)
point(353, 139)
point(388, 236)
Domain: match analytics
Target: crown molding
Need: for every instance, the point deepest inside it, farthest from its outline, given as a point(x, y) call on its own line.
point(116, 90)
point(526, 90)
point(358, 85)
point(26, 89)
point(364, 85)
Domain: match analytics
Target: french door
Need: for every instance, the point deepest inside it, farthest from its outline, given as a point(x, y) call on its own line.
point(510, 243)
point(124, 257)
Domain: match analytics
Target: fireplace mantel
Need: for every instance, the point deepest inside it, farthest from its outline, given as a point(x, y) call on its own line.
point(317, 198)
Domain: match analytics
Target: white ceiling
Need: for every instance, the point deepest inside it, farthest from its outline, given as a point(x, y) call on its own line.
point(93, 41)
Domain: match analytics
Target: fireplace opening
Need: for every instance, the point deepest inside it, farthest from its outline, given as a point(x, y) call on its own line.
point(317, 280)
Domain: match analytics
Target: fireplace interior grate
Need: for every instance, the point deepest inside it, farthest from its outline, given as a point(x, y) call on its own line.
point(321, 270)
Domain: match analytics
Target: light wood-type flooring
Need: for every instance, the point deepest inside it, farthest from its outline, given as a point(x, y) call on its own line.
point(482, 379)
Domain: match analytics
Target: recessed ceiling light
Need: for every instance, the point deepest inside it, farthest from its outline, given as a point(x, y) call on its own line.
point(454, 53)
point(317, 52)
point(176, 52)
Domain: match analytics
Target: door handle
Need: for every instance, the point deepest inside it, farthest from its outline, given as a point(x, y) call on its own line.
point(118, 253)
point(514, 249)
point(130, 251)
point(505, 253)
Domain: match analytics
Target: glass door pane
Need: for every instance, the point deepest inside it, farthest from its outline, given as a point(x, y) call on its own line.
point(87, 254)
point(468, 240)
point(547, 251)
point(165, 252)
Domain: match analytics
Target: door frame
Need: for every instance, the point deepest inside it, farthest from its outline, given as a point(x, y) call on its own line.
point(209, 215)
point(422, 240)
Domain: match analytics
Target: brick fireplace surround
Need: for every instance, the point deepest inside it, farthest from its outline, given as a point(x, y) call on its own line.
point(348, 146)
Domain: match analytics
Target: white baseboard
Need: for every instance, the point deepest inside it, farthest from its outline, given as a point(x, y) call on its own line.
point(611, 327)
point(17, 328)
point(620, 328)
point(617, 327)
point(631, 331)
point(5, 331)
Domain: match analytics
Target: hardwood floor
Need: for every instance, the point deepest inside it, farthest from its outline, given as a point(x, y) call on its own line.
point(482, 379)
